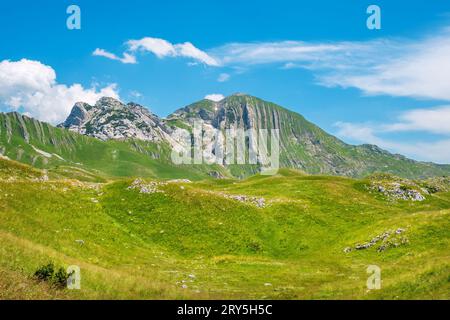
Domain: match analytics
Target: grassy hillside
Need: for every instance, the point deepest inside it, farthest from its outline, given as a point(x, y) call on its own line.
point(73, 155)
point(265, 237)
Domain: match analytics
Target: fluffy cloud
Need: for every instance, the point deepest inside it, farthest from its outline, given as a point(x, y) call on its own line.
point(31, 87)
point(187, 49)
point(418, 69)
point(127, 58)
point(215, 97)
point(160, 48)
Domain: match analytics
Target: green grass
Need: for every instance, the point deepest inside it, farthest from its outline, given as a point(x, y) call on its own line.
point(143, 246)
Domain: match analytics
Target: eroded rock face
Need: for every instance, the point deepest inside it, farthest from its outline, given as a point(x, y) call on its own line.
point(302, 145)
point(111, 119)
point(78, 116)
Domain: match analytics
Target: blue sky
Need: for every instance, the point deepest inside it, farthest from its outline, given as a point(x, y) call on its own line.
point(389, 87)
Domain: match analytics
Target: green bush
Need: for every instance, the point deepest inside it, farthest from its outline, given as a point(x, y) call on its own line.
point(60, 278)
point(49, 274)
point(45, 273)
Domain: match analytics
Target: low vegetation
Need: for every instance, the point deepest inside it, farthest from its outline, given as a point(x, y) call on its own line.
point(57, 277)
point(181, 239)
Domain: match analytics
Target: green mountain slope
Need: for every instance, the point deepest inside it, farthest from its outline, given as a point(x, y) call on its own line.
point(67, 153)
point(303, 145)
point(213, 239)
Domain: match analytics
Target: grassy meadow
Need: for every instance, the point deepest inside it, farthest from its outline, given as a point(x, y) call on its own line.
point(193, 240)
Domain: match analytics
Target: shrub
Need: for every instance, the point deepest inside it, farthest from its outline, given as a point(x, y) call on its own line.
point(60, 278)
point(254, 246)
point(45, 273)
point(49, 274)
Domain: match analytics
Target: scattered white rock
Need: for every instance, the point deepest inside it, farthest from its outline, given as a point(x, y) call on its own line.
point(398, 191)
point(179, 181)
point(387, 239)
point(259, 202)
point(148, 188)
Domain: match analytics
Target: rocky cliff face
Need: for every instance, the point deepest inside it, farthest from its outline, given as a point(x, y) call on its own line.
point(303, 145)
point(111, 119)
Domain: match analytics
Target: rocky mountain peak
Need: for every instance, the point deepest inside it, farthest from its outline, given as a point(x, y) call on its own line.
point(108, 102)
point(109, 118)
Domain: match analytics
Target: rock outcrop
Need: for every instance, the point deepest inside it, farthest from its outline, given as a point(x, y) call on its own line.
point(111, 119)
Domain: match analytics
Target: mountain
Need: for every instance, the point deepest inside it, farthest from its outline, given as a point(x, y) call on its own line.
point(111, 119)
point(113, 139)
point(303, 145)
point(78, 156)
point(146, 230)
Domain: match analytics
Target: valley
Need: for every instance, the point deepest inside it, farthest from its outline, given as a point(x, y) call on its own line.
point(180, 239)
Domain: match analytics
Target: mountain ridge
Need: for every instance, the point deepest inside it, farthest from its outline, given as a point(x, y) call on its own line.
point(304, 145)
point(130, 130)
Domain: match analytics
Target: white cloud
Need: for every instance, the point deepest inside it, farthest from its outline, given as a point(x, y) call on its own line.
point(215, 97)
point(160, 48)
point(356, 131)
point(136, 94)
point(418, 68)
point(223, 77)
point(271, 52)
point(434, 121)
point(187, 49)
point(437, 151)
point(31, 87)
point(289, 65)
point(127, 58)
